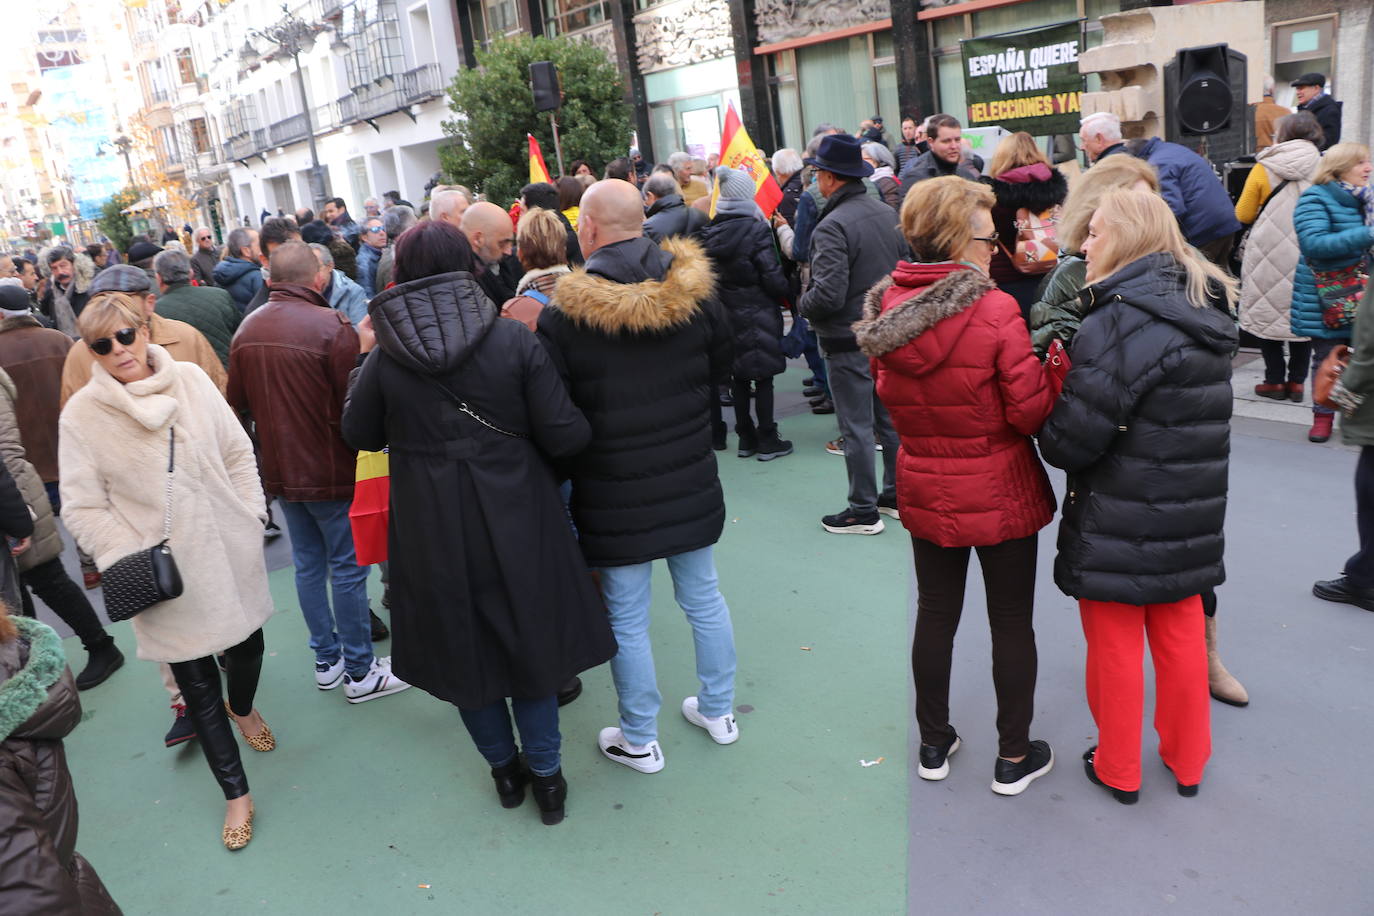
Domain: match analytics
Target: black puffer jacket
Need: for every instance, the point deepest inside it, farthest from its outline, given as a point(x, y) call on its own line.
point(751, 286)
point(1143, 428)
point(642, 343)
point(490, 597)
point(669, 216)
point(41, 873)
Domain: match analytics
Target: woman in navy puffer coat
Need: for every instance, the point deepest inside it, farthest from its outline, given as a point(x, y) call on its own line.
point(1334, 220)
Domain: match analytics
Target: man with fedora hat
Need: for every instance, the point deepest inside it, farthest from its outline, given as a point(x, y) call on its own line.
point(1312, 97)
point(854, 245)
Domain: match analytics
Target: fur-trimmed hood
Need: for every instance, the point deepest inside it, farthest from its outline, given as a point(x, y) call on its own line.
point(1024, 187)
point(636, 287)
point(942, 291)
point(26, 686)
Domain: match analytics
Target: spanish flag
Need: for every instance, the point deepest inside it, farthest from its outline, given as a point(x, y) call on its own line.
point(370, 514)
point(538, 170)
point(739, 152)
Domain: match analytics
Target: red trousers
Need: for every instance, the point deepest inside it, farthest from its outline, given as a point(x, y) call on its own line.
point(1116, 687)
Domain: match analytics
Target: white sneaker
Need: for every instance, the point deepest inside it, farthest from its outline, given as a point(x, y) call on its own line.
point(378, 682)
point(722, 729)
point(327, 677)
point(646, 759)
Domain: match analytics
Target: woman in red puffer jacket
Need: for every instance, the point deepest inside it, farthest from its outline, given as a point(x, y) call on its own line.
point(954, 367)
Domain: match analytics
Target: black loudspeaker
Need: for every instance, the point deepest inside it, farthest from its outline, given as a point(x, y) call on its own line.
point(1204, 92)
point(548, 95)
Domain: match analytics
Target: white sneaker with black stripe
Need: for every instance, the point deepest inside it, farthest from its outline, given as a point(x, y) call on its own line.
point(646, 759)
point(378, 682)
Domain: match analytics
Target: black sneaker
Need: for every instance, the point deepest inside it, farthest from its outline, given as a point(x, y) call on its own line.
point(934, 760)
point(182, 730)
point(718, 437)
point(748, 442)
point(888, 506)
point(1342, 591)
point(1014, 778)
point(826, 406)
point(1121, 795)
point(851, 522)
point(379, 628)
point(812, 391)
point(271, 531)
point(771, 446)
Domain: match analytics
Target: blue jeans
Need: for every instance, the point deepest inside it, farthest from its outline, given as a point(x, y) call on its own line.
point(628, 597)
point(538, 721)
point(322, 545)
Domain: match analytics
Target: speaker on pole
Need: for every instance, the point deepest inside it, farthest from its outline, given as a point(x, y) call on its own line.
point(548, 94)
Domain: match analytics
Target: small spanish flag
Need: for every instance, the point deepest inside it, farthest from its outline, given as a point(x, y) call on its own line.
point(739, 152)
point(370, 514)
point(538, 170)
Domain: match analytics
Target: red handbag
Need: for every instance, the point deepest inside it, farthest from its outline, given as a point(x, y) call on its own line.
point(1057, 365)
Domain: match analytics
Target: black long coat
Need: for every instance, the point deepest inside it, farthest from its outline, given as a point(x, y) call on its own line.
point(643, 344)
point(750, 286)
point(1143, 428)
point(490, 597)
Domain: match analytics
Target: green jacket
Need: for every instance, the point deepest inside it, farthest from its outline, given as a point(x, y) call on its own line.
point(1058, 311)
point(209, 310)
point(1357, 425)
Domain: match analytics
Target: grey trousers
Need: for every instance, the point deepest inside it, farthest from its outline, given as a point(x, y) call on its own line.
point(862, 417)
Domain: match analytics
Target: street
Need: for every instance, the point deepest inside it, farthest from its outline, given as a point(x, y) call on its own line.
point(387, 807)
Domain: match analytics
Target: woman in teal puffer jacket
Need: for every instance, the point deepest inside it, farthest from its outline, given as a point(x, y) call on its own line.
point(1334, 220)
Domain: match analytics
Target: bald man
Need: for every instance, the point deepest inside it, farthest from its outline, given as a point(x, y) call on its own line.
point(288, 372)
point(642, 344)
point(492, 237)
point(449, 207)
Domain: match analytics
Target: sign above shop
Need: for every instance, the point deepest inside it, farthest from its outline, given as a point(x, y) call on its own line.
point(1026, 80)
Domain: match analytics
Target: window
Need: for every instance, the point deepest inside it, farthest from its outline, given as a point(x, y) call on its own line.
point(200, 135)
point(186, 66)
point(1302, 46)
point(563, 16)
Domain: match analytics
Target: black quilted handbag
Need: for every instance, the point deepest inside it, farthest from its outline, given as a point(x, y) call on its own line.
point(146, 577)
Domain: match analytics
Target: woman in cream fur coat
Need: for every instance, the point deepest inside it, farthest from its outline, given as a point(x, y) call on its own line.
point(114, 438)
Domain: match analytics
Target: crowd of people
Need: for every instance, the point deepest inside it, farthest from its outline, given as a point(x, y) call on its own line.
point(549, 379)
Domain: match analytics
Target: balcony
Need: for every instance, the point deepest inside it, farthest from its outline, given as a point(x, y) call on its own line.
point(288, 130)
point(159, 97)
point(421, 84)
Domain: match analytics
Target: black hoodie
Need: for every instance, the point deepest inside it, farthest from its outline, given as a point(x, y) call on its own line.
point(1143, 428)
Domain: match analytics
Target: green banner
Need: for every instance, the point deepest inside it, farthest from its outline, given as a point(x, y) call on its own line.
point(1026, 80)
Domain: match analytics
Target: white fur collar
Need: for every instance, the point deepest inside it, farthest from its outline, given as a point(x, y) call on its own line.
point(150, 401)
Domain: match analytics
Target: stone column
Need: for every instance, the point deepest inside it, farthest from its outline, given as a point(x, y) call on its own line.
point(915, 62)
point(623, 28)
point(755, 96)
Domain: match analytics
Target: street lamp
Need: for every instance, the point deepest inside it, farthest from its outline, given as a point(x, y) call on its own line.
point(122, 144)
point(292, 35)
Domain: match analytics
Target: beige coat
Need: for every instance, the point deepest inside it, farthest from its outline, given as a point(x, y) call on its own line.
point(112, 455)
point(47, 543)
point(1271, 251)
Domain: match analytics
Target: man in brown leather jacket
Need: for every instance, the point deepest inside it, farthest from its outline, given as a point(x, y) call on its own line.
point(288, 372)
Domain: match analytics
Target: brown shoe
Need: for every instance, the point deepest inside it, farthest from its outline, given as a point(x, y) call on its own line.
point(1277, 392)
point(1294, 392)
point(1222, 684)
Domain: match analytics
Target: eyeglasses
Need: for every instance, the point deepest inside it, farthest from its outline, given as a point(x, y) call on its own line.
point(103, 345)
point(990, 239)
point(374, 229)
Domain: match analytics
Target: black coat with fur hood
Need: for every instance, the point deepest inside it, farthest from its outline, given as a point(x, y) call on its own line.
point(642, 342)
point(1037, 188)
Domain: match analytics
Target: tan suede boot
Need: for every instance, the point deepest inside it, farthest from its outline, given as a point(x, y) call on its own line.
point(1222, 683)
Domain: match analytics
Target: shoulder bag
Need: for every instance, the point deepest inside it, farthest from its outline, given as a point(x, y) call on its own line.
point(146, 577)
point(467, 409)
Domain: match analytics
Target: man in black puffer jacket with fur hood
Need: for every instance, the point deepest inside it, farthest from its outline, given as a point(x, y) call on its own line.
point(642, 344)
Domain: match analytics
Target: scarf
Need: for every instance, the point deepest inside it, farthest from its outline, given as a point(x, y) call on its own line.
point(62, 314)
point(1364, 195)
point(738, 206)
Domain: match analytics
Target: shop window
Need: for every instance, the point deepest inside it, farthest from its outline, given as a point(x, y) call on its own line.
point(1302, 46)
point(563, 16)
point(1024, 16)
point(950, 73)
point(501, 17)
point(788, 101)
point(836, 83)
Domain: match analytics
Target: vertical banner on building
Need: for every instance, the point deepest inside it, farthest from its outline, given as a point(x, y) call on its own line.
point(1026, 80)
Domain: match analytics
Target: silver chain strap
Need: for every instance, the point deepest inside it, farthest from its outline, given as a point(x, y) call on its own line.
point(463, 406)
point(171, 464)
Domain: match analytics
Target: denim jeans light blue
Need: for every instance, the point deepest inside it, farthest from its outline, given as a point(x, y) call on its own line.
point(628, 597)
point(538, 722)
point(322, 547)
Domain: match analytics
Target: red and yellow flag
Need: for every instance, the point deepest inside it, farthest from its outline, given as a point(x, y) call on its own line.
point(739, 152)
point(538, 170)
point(370, 514)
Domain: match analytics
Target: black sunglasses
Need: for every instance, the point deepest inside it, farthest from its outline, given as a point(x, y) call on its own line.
point(990, 239)
point(103, 345)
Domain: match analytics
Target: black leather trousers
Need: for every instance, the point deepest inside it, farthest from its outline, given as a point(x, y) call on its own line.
point(199, 682)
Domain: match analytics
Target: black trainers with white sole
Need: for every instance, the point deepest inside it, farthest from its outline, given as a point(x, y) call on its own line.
point(934, 759)
point(889, 508)
point(851, 522)
point(1014, 778)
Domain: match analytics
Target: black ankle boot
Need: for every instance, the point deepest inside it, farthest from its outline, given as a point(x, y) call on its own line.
point(748, 440)
point(570, 691)
point(105, 660)
point(510, 782)
point(550, 792)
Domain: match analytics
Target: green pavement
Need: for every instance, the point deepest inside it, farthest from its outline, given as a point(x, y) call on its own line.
point(386, 807)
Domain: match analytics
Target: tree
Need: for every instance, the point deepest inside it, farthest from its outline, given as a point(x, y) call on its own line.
point(113, 223)
point(494, 109)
